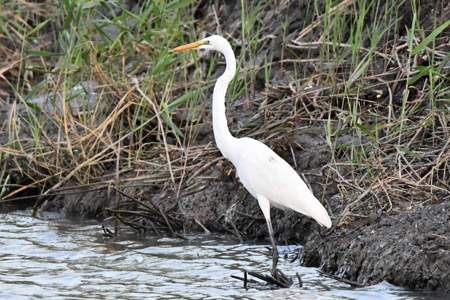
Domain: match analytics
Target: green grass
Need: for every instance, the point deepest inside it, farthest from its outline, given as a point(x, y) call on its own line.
point(387, 97)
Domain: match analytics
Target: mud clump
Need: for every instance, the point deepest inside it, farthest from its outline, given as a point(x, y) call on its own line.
point(84, 204)
point(410, 249)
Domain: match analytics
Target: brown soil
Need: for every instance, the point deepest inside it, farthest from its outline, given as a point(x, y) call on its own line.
point(410, 249)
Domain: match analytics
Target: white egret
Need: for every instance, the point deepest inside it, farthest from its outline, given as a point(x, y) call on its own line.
point(265, 175)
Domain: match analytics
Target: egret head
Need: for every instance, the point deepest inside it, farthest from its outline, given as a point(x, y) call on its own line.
point(213, 42)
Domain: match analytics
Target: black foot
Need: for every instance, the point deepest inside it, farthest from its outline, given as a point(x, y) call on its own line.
point(279, 279)
point(282, 279)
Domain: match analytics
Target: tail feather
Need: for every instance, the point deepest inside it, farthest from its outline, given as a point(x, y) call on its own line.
point(315, 210)
point(324, 219)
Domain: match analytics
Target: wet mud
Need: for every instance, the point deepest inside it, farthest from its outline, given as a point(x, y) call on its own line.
point(410, 249)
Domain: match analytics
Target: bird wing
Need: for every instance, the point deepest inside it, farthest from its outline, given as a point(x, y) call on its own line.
point(265, 173)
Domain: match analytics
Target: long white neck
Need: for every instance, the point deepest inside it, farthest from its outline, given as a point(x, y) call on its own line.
point(222, 135)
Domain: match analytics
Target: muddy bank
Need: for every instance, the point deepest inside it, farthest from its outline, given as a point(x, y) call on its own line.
point(215, 201)
point(410, 249)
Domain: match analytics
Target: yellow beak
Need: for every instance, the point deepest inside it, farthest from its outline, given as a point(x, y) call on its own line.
point(190, 46)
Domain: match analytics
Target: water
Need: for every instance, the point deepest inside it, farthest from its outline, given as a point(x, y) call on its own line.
point(59, 259)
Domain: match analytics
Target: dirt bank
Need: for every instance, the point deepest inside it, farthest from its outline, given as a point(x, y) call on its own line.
point(216, 201)
point(410, 248)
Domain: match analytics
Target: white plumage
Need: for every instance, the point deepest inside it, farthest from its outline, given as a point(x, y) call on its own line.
point(265, 173)
point(267, 177)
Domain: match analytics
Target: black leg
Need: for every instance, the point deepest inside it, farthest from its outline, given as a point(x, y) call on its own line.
point(274, 249)
point(278, 278)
